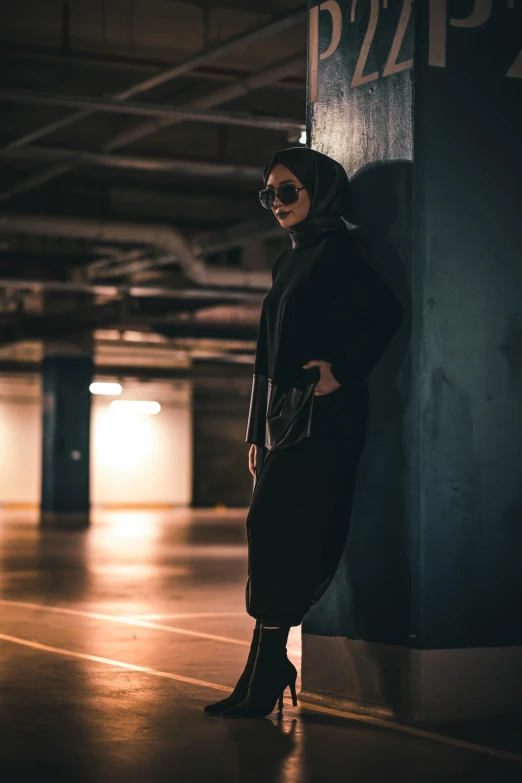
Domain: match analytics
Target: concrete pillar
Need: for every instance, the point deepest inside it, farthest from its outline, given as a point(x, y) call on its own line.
point(67, 370)
point(423, 106)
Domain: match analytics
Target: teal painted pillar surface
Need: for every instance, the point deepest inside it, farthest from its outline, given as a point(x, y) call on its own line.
point(66, 378)
point(422, 104)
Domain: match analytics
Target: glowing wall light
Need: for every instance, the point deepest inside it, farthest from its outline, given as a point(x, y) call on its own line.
point(123, 443)
point(134, 407)
point(302, 138)
point(111, 389)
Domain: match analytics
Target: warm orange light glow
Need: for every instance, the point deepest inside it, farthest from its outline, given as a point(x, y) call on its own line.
point(135, 406)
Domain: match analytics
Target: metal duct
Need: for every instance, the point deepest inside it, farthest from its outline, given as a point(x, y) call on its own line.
point(162, 237)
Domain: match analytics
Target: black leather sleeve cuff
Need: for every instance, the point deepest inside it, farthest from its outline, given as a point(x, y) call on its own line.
point(256, 426)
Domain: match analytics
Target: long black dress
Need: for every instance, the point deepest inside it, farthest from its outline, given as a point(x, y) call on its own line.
point(326, 303)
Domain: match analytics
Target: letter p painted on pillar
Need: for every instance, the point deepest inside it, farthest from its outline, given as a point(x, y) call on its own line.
point(333, 8)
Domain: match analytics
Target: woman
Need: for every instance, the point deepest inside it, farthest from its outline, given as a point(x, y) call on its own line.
point(324, 323)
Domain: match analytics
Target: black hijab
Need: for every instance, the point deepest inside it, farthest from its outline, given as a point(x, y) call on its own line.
point(327, 185)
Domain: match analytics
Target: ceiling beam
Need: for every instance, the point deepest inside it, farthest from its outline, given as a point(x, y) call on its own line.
point(23, 326)
point(172, 113)
point(119, 291)
point(198, 168)
point(214, 52)
point(89, 59)
point(261, 78)
point(198, 371)
point(238, 89)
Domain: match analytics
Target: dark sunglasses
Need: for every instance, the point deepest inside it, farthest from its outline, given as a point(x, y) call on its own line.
point(287, 194)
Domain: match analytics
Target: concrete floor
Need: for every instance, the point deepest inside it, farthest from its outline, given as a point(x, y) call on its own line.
point(113, 639)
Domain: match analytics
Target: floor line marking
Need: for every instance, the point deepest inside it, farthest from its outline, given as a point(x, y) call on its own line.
point(111, 662)
point(185, 614)
point(125, 621)
point(421, 733)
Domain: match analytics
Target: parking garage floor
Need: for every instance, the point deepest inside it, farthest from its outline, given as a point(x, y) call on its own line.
point(113, 639)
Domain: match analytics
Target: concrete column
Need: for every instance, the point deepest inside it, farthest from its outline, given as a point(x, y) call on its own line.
point(423, 107)
point(67, 371)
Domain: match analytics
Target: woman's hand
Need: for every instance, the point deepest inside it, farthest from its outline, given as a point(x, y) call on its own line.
point(327, 383)
point(252, 456)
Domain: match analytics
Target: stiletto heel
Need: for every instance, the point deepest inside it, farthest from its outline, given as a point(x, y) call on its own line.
point(273, 674)
point(291, 685)
point(294, 695)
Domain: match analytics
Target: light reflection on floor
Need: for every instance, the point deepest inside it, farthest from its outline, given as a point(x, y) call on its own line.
point(81, 611)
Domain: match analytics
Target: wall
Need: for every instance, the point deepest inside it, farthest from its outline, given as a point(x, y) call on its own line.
point(139, 461)
point(468, 251)
point(20, 451)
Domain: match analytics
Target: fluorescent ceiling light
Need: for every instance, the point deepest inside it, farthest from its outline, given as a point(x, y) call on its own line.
point(105, 388)
point(134, 406)
point(302, 138)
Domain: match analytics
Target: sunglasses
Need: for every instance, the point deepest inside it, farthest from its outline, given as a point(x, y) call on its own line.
point(287, 194)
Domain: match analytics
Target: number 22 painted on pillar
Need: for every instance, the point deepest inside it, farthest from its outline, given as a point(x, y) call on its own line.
point(392, 66)
point(333, 8)
point(479, 15)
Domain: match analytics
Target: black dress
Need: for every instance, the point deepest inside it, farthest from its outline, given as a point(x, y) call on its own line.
point(326, 303)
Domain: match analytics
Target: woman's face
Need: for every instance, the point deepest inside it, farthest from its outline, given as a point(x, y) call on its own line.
point(288, 215)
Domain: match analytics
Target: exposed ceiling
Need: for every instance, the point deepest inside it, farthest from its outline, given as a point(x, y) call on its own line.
point(133, 135)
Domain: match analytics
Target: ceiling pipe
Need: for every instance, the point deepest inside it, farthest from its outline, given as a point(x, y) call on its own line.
point(214, 52)
point(112, 259)
point(239, 235)
point(180, 113)
point(110, 160)
point(261, 78)
point(117, 291)
point(130, 267)
point(159, 236)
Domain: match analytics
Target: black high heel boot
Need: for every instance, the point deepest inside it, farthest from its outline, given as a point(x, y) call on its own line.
point(272, 674)
point(241, 689)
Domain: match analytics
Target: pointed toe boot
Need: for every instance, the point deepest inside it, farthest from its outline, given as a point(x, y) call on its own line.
point(272, 674)
point(240, 691)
